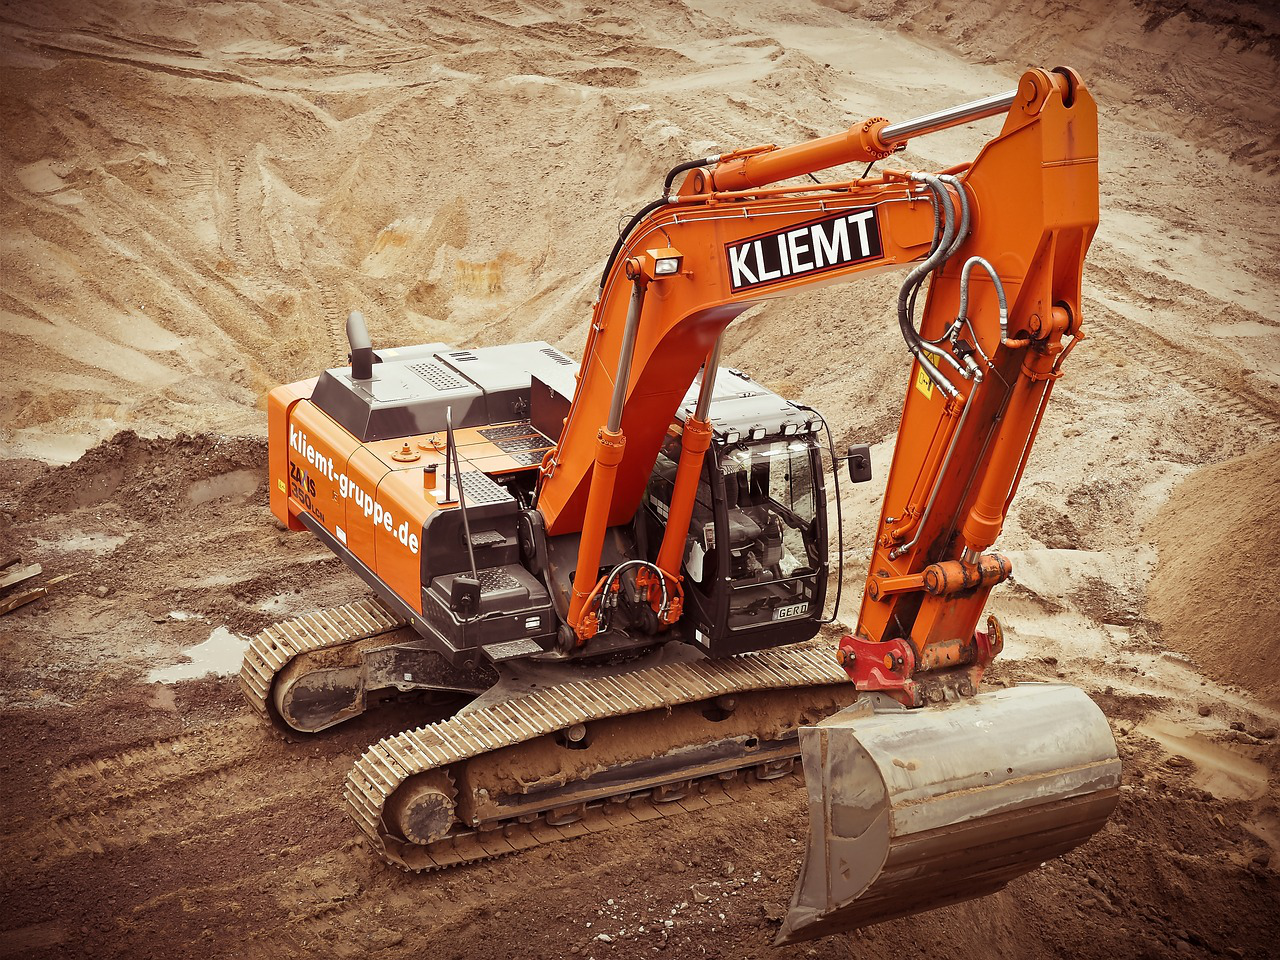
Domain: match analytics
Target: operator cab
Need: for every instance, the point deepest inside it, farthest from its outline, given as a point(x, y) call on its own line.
point(755, 563)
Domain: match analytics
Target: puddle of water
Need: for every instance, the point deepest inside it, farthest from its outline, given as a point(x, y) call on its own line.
point(52, 448)
point(1219, 770)
point(220, 654)
point(237, 483)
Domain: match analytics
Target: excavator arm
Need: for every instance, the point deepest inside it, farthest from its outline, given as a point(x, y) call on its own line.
point(909, 808)
point(1001, 315)
point(985, 353)
point(652, 331)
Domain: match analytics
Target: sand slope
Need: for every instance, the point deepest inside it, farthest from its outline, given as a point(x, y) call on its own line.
point(1215, 589)
point(193, 195)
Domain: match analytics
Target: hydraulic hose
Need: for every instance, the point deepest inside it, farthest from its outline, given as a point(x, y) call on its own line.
point(680, 168)
point(643, 212)
point(602, 601)
point(916, 277)
point(962, 234)
point(995, 279)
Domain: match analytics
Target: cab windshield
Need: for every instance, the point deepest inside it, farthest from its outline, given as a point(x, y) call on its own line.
point(772, 530)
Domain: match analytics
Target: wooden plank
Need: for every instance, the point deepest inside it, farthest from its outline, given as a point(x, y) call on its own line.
point(21, 600)
point(18, 575)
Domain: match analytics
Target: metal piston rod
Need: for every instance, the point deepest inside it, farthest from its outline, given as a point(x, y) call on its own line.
point(610, 444)
point(694, 444)
point(896, 133)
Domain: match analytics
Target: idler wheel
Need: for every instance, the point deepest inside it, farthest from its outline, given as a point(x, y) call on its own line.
point(423, 808)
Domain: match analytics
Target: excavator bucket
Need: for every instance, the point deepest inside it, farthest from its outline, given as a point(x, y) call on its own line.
point(915, 809)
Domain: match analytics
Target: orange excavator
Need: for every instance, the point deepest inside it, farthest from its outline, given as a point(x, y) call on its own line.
point(603, 581)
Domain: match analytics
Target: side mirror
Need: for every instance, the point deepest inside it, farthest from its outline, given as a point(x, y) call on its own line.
point(464, 597)
point(859, 463)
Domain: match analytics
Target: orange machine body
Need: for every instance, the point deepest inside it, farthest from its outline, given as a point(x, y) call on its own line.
point(683, 270)
point(374, 498)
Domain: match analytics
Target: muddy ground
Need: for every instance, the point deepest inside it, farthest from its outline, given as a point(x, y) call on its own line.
point(154, 819)
point(191, 198)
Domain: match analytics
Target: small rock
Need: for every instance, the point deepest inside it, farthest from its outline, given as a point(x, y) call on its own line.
point(726, 870)
point(604, 938)
point(700, 894)
point(1269, 733)
point(677, 866)
point(1109, 690)
point(102, 591)
point(1204, 710)
point(1236, 725)
point(773, 911)
point(1263, 858)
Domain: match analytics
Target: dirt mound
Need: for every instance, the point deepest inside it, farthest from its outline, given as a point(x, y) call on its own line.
point(151, 478)
point(1214, 591)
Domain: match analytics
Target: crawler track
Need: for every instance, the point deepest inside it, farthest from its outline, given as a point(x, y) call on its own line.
point(502, 750)
point(630, 792)
point(279, 644)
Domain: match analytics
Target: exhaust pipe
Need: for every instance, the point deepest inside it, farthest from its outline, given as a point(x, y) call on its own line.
point(913, 809)
point(361, 356)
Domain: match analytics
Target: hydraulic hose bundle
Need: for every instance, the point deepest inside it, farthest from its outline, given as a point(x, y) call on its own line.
point(948, 238)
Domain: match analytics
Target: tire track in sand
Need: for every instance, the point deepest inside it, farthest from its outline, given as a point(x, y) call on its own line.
point(186, 786)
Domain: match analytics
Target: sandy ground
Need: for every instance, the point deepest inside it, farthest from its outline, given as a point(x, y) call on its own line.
point(193, 196)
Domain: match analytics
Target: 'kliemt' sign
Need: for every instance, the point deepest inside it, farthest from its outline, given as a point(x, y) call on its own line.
point(850, 236)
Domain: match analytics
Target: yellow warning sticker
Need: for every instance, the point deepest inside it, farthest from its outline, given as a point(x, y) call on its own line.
point(923, 383)
point(280, 484)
